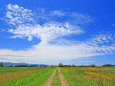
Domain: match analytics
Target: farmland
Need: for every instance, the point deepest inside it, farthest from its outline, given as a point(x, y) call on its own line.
point(24, 76)
point(89, 76)
point(73, 76)
point(56, 80)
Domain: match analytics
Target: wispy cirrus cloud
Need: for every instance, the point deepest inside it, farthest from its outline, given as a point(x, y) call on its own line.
point(63, 16)
point(50, 27)
point(113, 24)
point(58, 13)
point(53, 53)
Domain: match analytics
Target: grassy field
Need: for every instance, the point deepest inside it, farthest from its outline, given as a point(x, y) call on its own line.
point(89, 76)
point(24, 76)
point(75, 76)
point(15, 69)
point(56, 80)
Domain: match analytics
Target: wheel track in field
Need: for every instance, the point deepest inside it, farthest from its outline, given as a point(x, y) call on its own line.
point(62, 79)
point(49, 81)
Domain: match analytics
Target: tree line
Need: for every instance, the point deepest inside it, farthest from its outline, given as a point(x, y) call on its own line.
point(22, 65)
point(59, 65)
point(92, 65)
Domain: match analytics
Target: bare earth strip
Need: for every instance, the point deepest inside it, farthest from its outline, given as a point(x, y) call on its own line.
point(63, 81)
point(49, 81)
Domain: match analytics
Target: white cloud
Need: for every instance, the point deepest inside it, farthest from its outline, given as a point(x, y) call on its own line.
point(25, 25)
point(17, 15)
point(113, 24)
point(46, 15)
point(103, 38)
point(81, 18)
point(58, 13)
point(53, 53)
point(46, 32)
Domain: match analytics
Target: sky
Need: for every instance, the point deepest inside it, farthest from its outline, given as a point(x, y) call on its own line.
point(80, 32)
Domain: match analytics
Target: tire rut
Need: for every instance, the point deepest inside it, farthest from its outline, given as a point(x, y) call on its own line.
point(63, 81)
point(49, 81)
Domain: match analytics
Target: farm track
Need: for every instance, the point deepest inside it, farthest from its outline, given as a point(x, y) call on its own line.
point(49, 81)
point(63, 81)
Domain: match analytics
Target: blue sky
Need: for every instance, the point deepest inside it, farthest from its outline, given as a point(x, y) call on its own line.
point(68, 31)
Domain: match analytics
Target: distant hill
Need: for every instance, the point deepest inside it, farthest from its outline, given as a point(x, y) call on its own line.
point(10, 63)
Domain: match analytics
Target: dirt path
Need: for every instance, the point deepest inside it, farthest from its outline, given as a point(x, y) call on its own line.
point(63, 81)
point(49, 81)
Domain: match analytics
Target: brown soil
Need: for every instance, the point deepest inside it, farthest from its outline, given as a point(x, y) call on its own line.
point(63, 81)
point(49, 81)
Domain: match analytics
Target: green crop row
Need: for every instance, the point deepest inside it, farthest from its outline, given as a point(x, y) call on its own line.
point(15, 69)
point(35, 79)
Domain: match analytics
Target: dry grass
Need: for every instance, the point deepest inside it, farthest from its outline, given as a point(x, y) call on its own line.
point(91, 74)
point(14, 75)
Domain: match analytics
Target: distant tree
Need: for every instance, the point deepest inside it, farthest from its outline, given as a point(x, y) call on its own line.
point(45, 66)
point(33, 65)
point(11, 66)
point(73, 65)
point(107, 65)
point(1, 65)
point(81, 65)
point(21, 66)
point(68, 65)
point(41, 65)
point(113, 65)
point(51, 66)
point(64, 65)
point(92, 65)
point(60, 65)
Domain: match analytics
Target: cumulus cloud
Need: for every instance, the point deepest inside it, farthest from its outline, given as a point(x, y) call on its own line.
point(46, 32)
point(25, 25)
point(53, 47)
point(17, 15)
point(102, 38)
